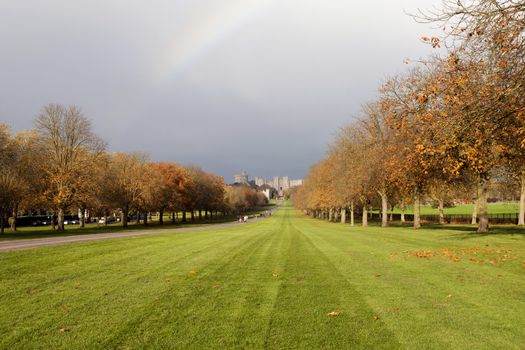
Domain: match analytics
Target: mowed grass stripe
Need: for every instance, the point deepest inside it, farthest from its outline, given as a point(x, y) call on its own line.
point(188, 300)
point(234, 298)
point(437, 298)
point(311, 289)
point(100, 287)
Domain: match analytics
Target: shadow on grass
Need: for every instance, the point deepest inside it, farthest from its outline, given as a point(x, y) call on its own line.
point(465, 231)
point(469, 231)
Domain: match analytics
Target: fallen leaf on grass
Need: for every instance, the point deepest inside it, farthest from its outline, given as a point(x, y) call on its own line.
point(449, 296)
point(376, 318)
point(193, 273)
point(275, 275)
point(63, 329)
point(333, 314)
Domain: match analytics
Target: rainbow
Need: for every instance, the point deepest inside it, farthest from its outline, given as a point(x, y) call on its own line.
point(207, 30)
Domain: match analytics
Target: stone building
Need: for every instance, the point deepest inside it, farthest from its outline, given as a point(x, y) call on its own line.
point(241, 178)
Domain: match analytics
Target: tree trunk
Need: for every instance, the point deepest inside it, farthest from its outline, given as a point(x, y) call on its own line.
point(402, 212)
point(200, 215)
point(53, 220)
point(343, 216)
point(352, 222)
point(2, 222)
point(441, 208)
point(61, 219)
point(474, 220)
point(106, 214)
point(161, 217)
point(138, 217)
point(206, 214)
point(146, 219)
point(336, 214)
point(184, 216)
point(521, 219)
point(173, 218)
point(192, 215)
point(384, 210)
point(124, 216)
point(417, 209)
point(330, 214)
point(482, 205)
point(12, 223)
point(82, 217)
point(365, 216)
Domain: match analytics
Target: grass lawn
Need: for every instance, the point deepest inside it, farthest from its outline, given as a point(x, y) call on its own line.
point(466, 209)
point(270, 284)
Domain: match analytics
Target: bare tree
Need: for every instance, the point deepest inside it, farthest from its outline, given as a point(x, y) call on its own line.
point(69, 147)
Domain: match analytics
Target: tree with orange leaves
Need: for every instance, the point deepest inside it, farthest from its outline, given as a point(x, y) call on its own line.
point(173, 186)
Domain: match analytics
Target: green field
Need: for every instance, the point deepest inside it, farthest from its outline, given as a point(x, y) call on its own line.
point(270, 284)
point(466, 209)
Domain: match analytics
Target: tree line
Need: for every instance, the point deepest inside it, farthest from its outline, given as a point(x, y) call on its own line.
point(447, 128)
point(61, 166)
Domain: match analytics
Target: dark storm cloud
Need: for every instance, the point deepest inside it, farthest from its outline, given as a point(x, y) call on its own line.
point(227, 85)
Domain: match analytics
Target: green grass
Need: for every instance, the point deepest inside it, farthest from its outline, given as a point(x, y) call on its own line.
point(270, 284)
point(466, 209)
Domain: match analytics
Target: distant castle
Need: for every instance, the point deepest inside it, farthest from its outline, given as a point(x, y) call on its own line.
point(280, 183)
point(241, 178)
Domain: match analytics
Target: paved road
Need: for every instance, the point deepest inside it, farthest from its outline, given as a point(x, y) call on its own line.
point(39, 242)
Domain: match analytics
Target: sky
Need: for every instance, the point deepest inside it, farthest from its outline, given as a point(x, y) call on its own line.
point(227, 85)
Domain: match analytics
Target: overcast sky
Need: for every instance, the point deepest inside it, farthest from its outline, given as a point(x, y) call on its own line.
point(228, 85)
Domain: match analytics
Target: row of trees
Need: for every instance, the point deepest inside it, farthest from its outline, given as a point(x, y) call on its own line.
point(444, 129)
point(61, 166)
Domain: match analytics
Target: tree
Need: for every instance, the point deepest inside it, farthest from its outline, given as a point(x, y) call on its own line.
point(126, 171)
point(11, 185)
point(168, 194)
point(70, 149)
point(487, 66)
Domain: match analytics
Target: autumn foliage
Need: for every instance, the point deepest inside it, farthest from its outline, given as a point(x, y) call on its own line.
point(450, 125)
point(61, 167)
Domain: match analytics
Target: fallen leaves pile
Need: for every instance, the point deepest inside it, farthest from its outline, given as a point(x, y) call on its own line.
point(477, 255)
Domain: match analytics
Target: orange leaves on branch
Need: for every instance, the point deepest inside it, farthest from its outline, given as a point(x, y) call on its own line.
point(434, 41)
